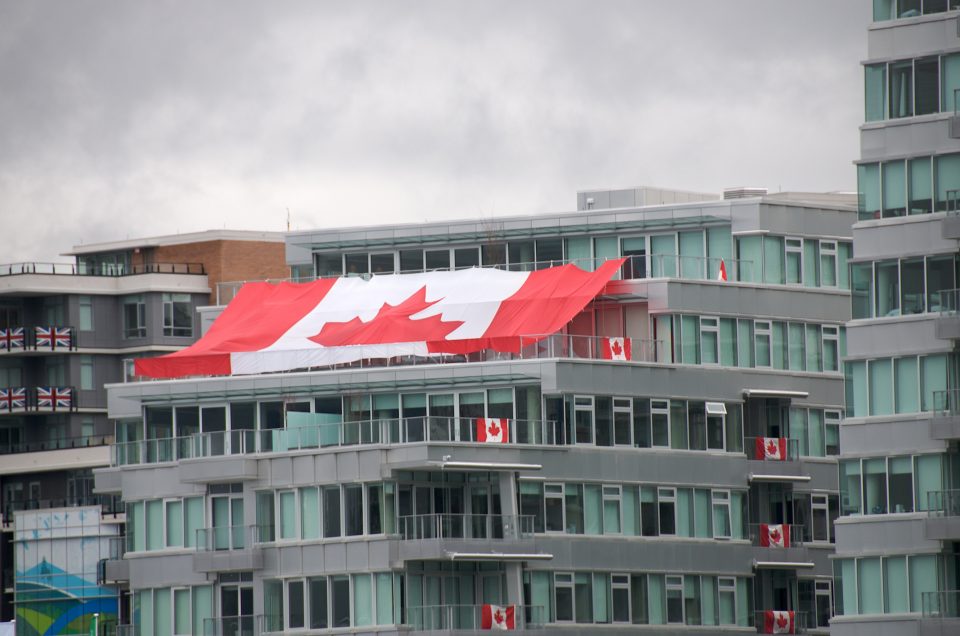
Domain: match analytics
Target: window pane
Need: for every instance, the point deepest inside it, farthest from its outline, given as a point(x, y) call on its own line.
point(796, 352)
point(894, 188)
point(862, 292)
point(888, 289)
point(340, 601)
point(318, 602)
point(901, 89)
point(288, 515)
point(875, 486)
point(950, 73)
point(911, 286)
point(901, 484)
point(881, 387)
point(896, 598)
point(691, 255)
point(908, 385)
point(948, 181)
point(870, 586)
point(750, 255)
point(923, 579)
point(295, 605)
point(921, 186)
point(309, 513)
point(174, 524)
point(362, 600)
point(940, 279)
point(868, 187)
point(773, 257)
point(933, 377)
point(928, 478)
point(331, 511)
point(663, 259)
point(927, 85)
point(875, 79)
point(353, 510)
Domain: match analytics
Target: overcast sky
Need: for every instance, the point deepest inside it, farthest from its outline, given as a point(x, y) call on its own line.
point(131, 119)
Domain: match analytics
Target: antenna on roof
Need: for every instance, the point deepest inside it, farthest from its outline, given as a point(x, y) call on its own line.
point(288, 219)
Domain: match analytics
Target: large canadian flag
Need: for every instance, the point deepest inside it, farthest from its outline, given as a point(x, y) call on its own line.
point(779, 622)
point(498, 617)
point(774, 535)
point(771, 448)
point(278, 327)
point(616, 348)
point(492, 430)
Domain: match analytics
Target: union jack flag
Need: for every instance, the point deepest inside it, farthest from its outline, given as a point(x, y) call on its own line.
point(11, 338)
point(14, 399)
point(53, 337)
point(54, 397)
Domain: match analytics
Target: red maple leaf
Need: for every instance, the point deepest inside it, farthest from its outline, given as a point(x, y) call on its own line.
point(616, 348)
point(775, 536)
point(772, 448)
point(498, 617)
point(391, 324)
point(493, 429)
point(781, 621)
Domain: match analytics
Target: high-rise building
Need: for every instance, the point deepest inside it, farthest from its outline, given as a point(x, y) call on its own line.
point(66, 329)
point(665, 458)
point(896, 563)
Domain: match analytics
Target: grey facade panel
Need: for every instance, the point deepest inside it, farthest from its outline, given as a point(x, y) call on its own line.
point(886, 337)
point(901, 236)
point(872, 535)
point(904, 434)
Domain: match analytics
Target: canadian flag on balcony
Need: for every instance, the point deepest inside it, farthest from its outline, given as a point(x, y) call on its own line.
point(774, 535)
point(498, 617)
point(771, 448)
point(778, 622)
point(616, 348)
point(722, 274)
point(492, 430)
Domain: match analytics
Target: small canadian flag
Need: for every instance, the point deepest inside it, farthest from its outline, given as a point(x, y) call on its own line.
point(774, 535)
point(771, 448)
point(616, 349)
point(492, 430)
point(722, 274)
point(498, 617)
point(778, 622)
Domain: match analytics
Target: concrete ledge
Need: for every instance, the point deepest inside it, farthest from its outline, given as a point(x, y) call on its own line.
point(945, 427)
point(228, 560)
point(947, 326)
point(943, 529)
point(218, 469)
point(950, 227)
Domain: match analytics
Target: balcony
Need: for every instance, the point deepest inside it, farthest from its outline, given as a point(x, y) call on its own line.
point(396, 431)
point(782, 622)
point(109, 504)
point(774, 459)
point(947, 326)
point(113, 569)
point(40, 399)
point(106, 269)
point(943, 515)
point(950, 228)
point(463, 537)
point(61, 443)
point(941, 613)
point(945, 419)
point(233, 626)
point(229, 549)
point(56, 338)
point(446, 618)
point(779, 546)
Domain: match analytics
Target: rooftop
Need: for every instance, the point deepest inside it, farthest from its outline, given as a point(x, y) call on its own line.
point(177, 239)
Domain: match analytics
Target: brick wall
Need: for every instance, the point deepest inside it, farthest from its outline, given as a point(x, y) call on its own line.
point(228, 261)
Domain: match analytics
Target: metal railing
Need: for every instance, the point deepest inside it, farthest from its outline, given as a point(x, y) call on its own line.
point(86, 441)
point(635, 267)
point(408, 430)
point(465, 526)
point(801, 623)
point(946, 403)
point(469, 617)
point(38, 338)
point(941, 604)
point(110, 504)
point(945, 301)
point(797, 532)
point(104, 269)
point(230, 626)
point(943, 503)
point(752, 446)
point(228, 538)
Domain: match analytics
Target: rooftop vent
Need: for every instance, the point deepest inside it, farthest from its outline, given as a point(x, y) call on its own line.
point(743, 193)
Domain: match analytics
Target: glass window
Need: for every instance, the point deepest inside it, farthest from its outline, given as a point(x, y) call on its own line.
point(923, 579)
point(353, 510)
point(174, 524)
point(948, 182)
point(318, 602)
point(719, 248)
point(660, 419)
point(328, 264)
point(911, 286)
point(689, 339)
point(901, 89)
point(464, 257)
point(411, 260)
point(295, 604)
point(850, 486)
point(894, 188)
point(86, 313)
point(309, 513)
point(678, 424)
point(721, 513)
point(773, 260)
point(794, 263)
point(288, 514)
point(928, 478)
point(611, 510)
point(709, 340)
point(635, 251)
point(875, 79)
point(933, 379)
point(592, 509)
point(583, 419)
point(875, 486)
point(331, 511)
point(940, 280)
point(553, 505)
point(950, 81)
point(666, 508)
point(674, 589)
point(663, 256)
point(362, 600)
point(550, 252)
point(86, 373)
point(601, 585)
point(436, 259)
point(382, 263)
point(728, 342)
point(870, 585)
point(750, 259)
point(901, 484)
point(896, 598)
point(356, 264)
point(762, 343)
point(828, 263)
point(887, 289)
point(881, 387)
point(927, 85)
point(520, 256)
point(134, 317)
point(622, 421)
point(868, 187)
point(692, 260)
point(862, 292)
point(907, 382)
point(579, 253)
point(620, 597)
point(921, 186)
point(583, 597)
point(573, 511)
point(831, 350)
point(638, 599)
point(563, 597)
point(177, 315)
point(745, 356)
point(340, 600)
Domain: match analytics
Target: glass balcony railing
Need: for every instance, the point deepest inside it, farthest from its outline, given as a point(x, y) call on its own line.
point(105, 269)
point(943, 503)
point(464, 526)
point(946, 403)
point(231, 626)
point(59, 443)
point(110, 504)
point(941, 604)
point(407, 430)
point(471, 617)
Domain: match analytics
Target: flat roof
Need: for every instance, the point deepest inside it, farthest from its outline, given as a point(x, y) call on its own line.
point(178, 239)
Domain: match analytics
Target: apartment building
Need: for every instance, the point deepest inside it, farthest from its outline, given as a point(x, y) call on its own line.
point(896, 563)
point(66, 330)
point(663, 459)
